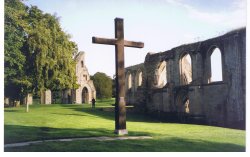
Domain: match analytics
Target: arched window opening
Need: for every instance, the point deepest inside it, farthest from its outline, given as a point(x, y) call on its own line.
point(129, 81)
point(185, 64)
point(82, 64)
point(85, 95)
point(139, 79)
point(216, 66)
point(161, 74)
point(85, 77)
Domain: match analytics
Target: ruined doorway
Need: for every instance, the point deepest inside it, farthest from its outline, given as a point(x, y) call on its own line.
point(182, 106)
point(85, 95)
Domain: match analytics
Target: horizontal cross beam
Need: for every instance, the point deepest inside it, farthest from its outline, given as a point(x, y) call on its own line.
point(133, 44)
point(108, 41)
point(105, 41)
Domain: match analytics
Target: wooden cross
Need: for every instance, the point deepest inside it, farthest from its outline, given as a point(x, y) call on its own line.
point(119, 42)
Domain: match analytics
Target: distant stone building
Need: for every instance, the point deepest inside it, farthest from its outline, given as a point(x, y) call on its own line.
point(86, 91)
point(83, 94)
point(45, 97)
point(179, 84)
point(28, 100)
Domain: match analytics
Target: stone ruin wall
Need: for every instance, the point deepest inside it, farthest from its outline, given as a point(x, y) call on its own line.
point(135, 93)
point(220, 103)
point(83, 79)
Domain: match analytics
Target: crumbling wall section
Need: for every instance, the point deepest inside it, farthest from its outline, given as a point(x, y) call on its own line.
point(219, 103)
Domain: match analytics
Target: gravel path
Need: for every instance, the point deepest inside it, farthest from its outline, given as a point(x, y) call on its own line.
point(102, 138)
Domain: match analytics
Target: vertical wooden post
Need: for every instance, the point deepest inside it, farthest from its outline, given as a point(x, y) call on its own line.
point(119, 42)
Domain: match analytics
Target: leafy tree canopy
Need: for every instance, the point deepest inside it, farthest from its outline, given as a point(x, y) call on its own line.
point(103, 85)
point(38, 54)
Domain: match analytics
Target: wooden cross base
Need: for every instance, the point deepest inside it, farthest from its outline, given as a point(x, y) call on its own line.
point(121, 132)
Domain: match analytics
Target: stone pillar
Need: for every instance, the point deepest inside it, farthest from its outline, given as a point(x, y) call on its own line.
point(235, 99)
point(46, 97)
point(6, 101)
point(16, 103)
point(28, 100)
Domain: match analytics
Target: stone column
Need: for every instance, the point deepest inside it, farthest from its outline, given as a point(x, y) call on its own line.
point(46, 97)
point(28, 99)
point(6, 101)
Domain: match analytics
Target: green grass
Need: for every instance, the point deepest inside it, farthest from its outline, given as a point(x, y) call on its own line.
point(65, 121)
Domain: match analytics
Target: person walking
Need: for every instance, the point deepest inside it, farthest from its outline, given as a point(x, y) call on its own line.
point(93, 103)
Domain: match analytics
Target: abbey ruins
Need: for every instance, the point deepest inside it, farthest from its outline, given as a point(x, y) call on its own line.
point(83, 94)
point(177, 85)
point(86, 91)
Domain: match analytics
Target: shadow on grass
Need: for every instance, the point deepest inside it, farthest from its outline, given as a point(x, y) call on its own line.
point(147, 145)
point(17, 133)
point(12, 110)
point(132, 117)
point(105, 100)
point(69, 114)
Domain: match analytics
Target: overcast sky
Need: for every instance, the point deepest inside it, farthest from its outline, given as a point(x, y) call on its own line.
point(160, 24)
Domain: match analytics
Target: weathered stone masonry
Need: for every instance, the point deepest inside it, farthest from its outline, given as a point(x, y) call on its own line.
point(86, 91)
point(186, 92)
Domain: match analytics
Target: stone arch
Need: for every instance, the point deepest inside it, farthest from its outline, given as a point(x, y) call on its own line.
point(182, 105)
point(214, 64)
point(160, 76)
point(138, 81)
point(129, 80)
point(86, 94)
point(185, 68)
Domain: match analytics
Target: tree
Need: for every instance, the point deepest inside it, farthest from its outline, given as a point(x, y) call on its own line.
point(103, 85)
point(38, 53)
point(52, 51)
point(16, 81)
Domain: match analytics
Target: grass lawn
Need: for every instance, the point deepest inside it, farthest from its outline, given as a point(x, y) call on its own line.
point(66, 121)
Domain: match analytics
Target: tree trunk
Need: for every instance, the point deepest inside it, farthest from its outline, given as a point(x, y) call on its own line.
point(27, 107)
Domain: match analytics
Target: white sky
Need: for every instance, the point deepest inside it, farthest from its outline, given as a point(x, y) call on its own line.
point(160, 24)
